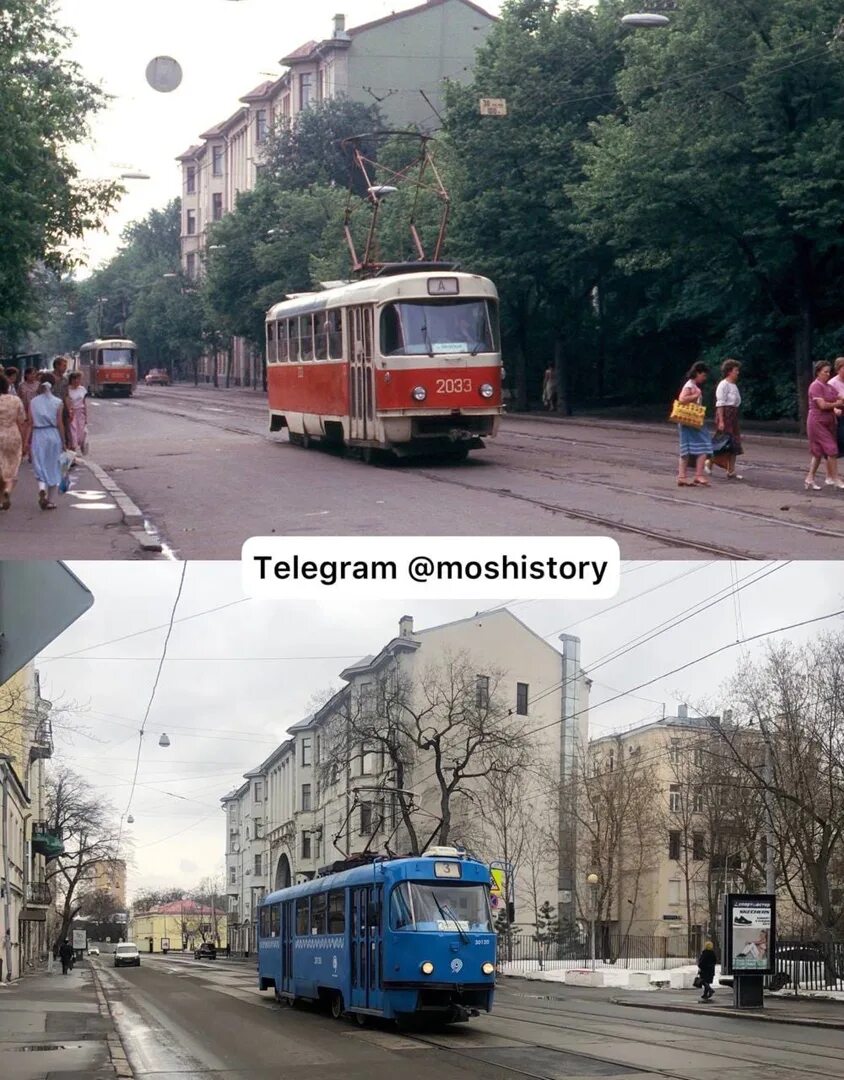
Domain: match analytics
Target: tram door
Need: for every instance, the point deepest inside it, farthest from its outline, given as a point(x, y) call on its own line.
point(288, 926)
point(361, 378)
point(366, 947)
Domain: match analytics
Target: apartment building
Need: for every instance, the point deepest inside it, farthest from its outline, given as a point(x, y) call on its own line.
point(108, 875)
point(27, 841)
point(401, 62)
point(327, 792)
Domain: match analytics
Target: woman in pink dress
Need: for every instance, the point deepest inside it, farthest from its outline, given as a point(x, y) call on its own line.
point(77, 413)
point(13, 433)
point(821, 427)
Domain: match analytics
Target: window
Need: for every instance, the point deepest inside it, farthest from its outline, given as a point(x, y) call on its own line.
point(306, 845)
point(674, 896)
point(321, 336)
point(232, 875)
point(258, 864)
point(306, 337)
point(697, 801)
point(335, 333)
point(697, 757)
point(190, 222)
point(275, 920)
point(674, 752)
point(522, 698)
point(285, 105)
point(482, 691)
point(318, 913)
point(302, 915)
point(258, 827)
point(217, 161)
point(674, 798)
point(272, 354)
point(306, 797)
point(674, 844)
point(365, 818)
point(264, 923)
point(426, 328)
point(306, 90)
point(282, 344)
point(260, 125)
point(190, 264)
point(321, 85)
point(307, 744)
point(216, 205)
point(698, 846)
point(190, 180)
point(336, 913)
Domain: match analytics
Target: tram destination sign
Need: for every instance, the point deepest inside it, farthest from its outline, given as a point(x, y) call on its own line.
point(749, 934)
point(491, 106)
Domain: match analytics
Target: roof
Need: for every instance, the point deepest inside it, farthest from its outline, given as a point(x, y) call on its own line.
point(302, 53)
point(191, 152)
point(218, 130)
point(396, 15)
point(666, 723)
point(261, 91)
point(182, 907)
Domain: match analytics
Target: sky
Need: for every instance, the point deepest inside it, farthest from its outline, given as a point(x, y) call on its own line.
point(238, 676)
point(225, 48)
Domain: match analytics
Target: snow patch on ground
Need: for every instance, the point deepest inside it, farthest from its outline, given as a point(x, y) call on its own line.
point(557, 971)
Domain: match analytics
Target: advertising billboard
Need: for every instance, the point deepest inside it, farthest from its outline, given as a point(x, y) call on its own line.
point(80, 939)
point(749, 934)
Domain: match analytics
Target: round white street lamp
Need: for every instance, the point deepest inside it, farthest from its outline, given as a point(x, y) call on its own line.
point(644, 19)
point(164, 74)
point(130, 820)
point(164, 740)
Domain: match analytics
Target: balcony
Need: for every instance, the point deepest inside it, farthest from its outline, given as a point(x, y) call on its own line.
point(47, 841)
point(38, 894)
point(42, 742)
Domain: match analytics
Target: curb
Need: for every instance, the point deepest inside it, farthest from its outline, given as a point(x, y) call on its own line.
point(117, 1051)
point(132, 516)
point(734, 1014)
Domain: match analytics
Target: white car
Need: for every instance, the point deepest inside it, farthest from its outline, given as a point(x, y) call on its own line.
point(127, 954)
point(93, 951)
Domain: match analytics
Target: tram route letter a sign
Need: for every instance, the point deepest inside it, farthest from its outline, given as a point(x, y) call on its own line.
point(750, 942)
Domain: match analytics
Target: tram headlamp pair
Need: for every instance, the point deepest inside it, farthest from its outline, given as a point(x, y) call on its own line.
point(419, 393)
point(486, 390)
point(426, 967)
point(488, 968)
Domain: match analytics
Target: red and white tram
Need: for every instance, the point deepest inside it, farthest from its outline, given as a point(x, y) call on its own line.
point(109, 366)
point(407, 361)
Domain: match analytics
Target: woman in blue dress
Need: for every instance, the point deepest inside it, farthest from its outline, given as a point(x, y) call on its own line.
point(694, 442)
point(47, 441)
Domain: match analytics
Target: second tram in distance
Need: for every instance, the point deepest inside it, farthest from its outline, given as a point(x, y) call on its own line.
point(109, 366)
point(401, 939)
point(407, 361)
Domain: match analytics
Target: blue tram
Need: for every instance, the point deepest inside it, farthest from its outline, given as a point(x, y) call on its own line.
point(400, 938)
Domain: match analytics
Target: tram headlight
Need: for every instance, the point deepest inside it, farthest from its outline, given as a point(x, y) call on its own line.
point(488, 968)
point(426, 967)
point(419, 393)
point(486, 390)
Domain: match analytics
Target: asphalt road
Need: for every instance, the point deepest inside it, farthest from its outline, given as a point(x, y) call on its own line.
point(206, 475)
point(182, 1019)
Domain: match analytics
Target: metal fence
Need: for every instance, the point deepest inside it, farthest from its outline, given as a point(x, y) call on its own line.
point(808, 965)
point(621, 951)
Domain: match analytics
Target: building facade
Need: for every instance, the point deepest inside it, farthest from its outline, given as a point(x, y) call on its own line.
point(329, 792)
point(109, 876)
point(27, 841)
point(401, 62)
point(180, 925)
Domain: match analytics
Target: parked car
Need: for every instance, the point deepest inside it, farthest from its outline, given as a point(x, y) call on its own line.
point(206, 951)
point(127, 954)
point(93, 951)
point(157, 377)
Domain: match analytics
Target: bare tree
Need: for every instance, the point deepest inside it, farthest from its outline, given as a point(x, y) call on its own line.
point(211, 894)
point(787, 737)
point(89, 830)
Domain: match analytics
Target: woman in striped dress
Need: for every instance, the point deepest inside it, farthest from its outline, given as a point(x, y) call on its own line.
point(694, 442)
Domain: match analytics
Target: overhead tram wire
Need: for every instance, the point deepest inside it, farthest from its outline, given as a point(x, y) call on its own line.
point(162, 658)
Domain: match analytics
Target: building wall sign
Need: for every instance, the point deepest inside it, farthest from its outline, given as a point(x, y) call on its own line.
point(750, 934)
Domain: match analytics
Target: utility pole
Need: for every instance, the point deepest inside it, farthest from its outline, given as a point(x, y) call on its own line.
point(770, 866)
point(7, 881)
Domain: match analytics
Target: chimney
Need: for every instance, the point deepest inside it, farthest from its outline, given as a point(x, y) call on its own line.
point(406, 626)
point(682, 712)
point(339, 26)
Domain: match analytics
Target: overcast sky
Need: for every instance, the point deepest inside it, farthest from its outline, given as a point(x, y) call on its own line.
point(225, 49)
point(236, 678)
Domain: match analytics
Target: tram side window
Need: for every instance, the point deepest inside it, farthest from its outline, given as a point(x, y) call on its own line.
point(392, 341)
point(336, 913)
point(318, 912)
point(264, 923)
point(275, 920)
point(335, 333)
point(302, 917)
point(283, 352)
point(271, 344)
point(401, 916)
point(321, 336)
point(306, 337)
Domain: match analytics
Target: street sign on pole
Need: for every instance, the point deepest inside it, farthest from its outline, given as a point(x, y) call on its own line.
point(38, 601)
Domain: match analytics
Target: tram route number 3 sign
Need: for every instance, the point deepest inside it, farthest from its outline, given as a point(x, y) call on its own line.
point(493, 106)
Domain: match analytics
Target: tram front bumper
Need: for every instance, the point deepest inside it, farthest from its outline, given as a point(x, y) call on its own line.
point(418, 433)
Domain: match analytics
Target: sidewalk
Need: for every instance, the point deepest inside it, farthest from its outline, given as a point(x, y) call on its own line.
point(94, 520)
point(806, 1012)
point(58, 1026)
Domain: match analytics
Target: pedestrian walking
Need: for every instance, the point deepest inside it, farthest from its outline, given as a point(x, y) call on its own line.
point(77, 413)
point(47, 441)
point(727, 444)
point(13, 438)
point(12, 374)
point(695, 442)
point(549, 388)
point(837, 383)
point(706, 970)
point(60, 377)
point(66, 956)
point(28, 388)
point(822, 428)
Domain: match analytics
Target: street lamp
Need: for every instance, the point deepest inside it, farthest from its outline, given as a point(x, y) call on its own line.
point(216, 247)
point(592, 882)
point(645, 19)
point(164, 740)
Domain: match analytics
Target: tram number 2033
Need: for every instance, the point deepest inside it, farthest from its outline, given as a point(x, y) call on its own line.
point(454, 386)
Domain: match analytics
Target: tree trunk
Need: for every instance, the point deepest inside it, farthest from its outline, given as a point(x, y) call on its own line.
point(804, 330)
point(561, 366)
point(229, 362)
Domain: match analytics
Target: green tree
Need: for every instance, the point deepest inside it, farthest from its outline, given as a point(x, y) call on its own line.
point(45, 105)
point(547, 931)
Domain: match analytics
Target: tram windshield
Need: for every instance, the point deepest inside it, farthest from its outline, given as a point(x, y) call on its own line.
point(117, 357)
point(430, 327)
point(424, 906)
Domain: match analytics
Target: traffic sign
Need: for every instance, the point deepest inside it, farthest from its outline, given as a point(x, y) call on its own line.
point(38, 601)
